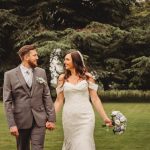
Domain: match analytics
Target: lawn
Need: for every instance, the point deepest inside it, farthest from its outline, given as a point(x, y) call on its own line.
point(136, 137)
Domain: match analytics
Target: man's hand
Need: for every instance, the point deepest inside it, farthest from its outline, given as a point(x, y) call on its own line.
point(14, 131)
point(50, 125)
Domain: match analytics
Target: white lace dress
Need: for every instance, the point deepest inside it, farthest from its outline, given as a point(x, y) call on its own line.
point(78, 116)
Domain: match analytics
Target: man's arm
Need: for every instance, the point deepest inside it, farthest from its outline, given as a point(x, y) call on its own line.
point(8, 100)
point(51, 116)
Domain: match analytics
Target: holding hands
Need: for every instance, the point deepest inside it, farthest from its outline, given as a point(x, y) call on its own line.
point(50, 125)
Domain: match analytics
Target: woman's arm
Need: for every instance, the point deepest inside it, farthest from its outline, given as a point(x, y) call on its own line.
point(60, 95)
point(98, 104)
point(59, 102)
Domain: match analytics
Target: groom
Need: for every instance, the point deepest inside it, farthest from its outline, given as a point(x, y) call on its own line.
point(27, 101)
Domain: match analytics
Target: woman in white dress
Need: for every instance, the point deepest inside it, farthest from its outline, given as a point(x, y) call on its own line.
point(77, 87)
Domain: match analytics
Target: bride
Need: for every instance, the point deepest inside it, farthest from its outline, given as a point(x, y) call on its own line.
point(77, 87)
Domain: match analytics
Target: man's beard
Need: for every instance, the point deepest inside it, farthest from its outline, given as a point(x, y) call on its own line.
point(32, 65)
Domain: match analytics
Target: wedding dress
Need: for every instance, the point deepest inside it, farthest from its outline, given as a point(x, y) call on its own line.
point(78, 116)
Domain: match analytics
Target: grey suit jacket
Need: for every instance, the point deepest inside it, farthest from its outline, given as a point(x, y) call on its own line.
point(22, 104)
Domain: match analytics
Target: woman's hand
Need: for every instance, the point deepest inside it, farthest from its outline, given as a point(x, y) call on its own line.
point(108, 122)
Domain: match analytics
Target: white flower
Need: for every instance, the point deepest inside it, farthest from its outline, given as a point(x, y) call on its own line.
point(114, 113)
point(117, 122)
point(123, 119)
point(41, 80)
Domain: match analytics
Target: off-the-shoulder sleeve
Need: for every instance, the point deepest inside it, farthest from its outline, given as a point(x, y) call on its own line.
point(59, 89)
point(93, 86)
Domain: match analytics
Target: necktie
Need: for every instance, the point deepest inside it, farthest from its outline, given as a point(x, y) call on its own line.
point(29, 78)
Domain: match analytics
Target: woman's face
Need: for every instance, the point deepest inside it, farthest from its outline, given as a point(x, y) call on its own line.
point(68, 62)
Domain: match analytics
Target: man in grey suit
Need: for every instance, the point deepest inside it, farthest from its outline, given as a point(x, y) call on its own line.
point(27, 101)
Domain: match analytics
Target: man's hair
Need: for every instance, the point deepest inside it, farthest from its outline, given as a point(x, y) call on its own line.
point(25, 50)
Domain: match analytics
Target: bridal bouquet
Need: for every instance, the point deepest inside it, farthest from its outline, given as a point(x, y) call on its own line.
point(119, 122)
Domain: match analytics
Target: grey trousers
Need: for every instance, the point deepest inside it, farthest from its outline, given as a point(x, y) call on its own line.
point(34, 135)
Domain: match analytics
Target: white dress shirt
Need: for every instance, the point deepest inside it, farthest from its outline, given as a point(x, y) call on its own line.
point(27, 74)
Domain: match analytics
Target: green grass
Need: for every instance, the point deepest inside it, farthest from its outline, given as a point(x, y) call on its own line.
point(137, 136)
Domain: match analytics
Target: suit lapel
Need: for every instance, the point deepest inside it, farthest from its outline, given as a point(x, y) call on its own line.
point(22, 80)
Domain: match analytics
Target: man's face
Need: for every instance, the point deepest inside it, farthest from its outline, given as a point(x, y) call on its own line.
point(32, 58)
